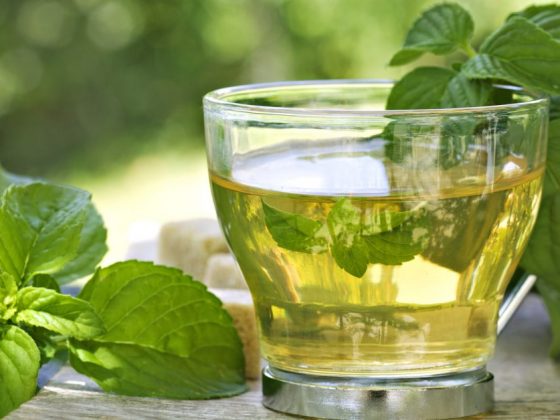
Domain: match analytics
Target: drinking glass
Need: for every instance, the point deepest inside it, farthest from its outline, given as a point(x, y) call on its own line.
point(377, 244)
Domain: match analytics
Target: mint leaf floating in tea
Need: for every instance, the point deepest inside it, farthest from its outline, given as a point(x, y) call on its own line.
point(356, 236)
point(293, 231)
point(520, 52)
point(19, 367)
point(166, 335)
point(62, 314)
point(348, 248)
point(442, 29)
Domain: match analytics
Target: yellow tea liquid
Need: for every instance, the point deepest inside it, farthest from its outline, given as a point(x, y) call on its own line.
point(426, 302)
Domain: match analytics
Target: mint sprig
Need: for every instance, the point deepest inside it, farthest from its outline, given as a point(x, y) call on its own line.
point(356, 236)
point(525, 51)
point(136, 329)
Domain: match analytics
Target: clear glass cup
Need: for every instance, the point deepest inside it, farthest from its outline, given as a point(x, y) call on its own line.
point(376, 243)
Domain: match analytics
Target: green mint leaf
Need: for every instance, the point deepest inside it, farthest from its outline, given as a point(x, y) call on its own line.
point(293, 231)
point(542, 255)
point(546, 16)
point(394, 248)
point(19, 367)
point(40, 225)
point(440, 30)
point(351, 255)
point(7, 179)
point(8, 290)
point(437, 87)
point(91, 250)
point(44, 341)
point(63, 314)
point(92, 247)
point(8, 285)
point(464, 92)
point(552, 174)
point(348, 248)
point(368, 236)
point(167, 336)
point(422, 88)
point(519, 52)
point(45, 281)
point(551, 297)
point(375, 221)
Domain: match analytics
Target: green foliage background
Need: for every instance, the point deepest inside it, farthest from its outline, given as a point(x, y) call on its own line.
point(87, 85)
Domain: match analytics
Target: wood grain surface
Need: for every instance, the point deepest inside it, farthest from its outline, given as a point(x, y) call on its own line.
point(527, 386)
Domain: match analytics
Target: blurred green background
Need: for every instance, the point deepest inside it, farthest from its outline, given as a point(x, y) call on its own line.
point(106, 94)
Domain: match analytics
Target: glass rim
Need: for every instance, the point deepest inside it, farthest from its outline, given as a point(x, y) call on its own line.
point(219, 98)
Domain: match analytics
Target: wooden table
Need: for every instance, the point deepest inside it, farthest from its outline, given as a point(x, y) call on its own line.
point(527, 386)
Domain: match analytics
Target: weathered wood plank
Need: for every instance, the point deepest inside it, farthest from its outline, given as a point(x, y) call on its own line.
point(527, 386)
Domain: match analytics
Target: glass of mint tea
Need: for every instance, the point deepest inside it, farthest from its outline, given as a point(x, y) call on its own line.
point(377, 244)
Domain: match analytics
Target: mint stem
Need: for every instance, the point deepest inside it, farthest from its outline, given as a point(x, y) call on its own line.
point(469, 50)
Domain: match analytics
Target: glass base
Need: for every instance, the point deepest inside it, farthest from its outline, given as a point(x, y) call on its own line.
point(438, 397)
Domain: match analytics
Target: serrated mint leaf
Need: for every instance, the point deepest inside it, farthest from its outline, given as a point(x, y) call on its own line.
point(7, 179)
point(442, 29)
point(550, 292)
point(19, 367)
point(129, 369)
point(542, 255)
point(552, 174)
point(40, 226)
point(422, 88)
point(521, 53)
point(92, 246)
point(463, 92)
point(45, 281)
point(293, 231)
point(63, 314)
point(437, 87)
point(546, 16)
point(91, 250)
point(166, 336)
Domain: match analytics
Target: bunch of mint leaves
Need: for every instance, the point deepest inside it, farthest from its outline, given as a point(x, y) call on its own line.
point(355, 237)
point(136, 328)
point(524, 52)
